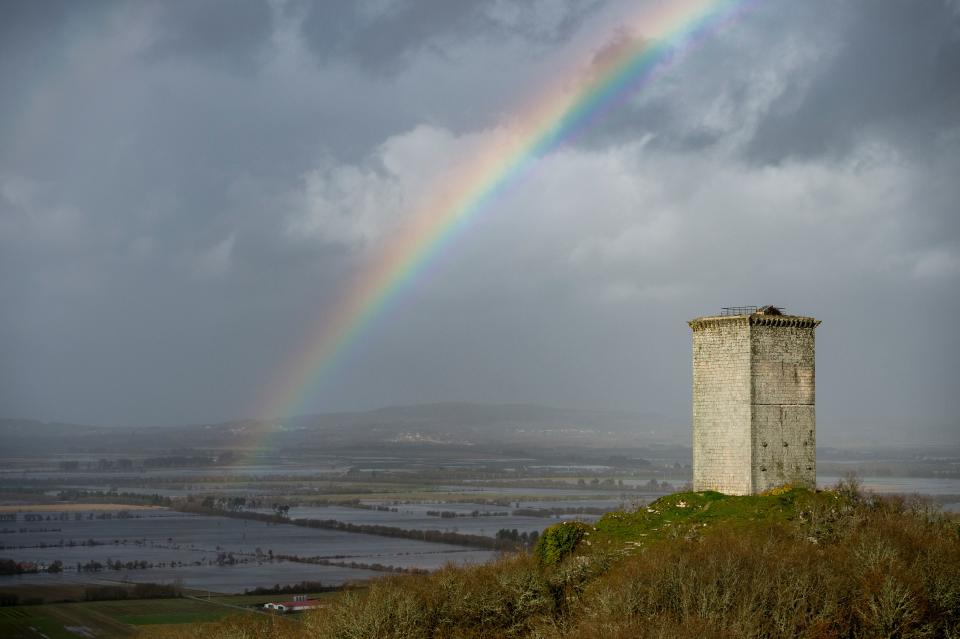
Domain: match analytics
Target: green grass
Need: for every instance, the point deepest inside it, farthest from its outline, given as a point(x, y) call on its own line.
point(174, 617)
point(110, 619)
point(157, 611)
point(106, 618)
point(682, 512)
point(680, 515)
point(34, 627)
point(53, 619)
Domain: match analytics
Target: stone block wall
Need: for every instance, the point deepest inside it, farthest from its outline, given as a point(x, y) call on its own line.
point(721, 406)
point(783, 405)
point(754, 420)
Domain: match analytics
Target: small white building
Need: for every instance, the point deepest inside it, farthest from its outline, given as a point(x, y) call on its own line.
point(298, 604)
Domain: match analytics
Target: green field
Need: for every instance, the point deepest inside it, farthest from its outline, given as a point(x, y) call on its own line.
point(108, 618)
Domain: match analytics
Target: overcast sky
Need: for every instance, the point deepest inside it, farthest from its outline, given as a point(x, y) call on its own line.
point(187, 187)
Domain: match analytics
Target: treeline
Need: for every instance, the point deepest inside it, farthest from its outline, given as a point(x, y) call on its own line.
point(116, 564)
point(524, 539)
point(283, 508)
point(606, 484)
point(558, 512)
point(112, 496)
point(138, 591)
point(302, 588)
point(11, 531)
point(13, 599)
point(70, 543)
point(223, 558)
point(11, 567)
point(165, 461)
point(450, 514)
point(104, 593)
point(327, 561)
point(435, 536)
point(79, 516)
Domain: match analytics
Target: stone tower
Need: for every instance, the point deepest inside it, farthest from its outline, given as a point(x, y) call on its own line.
point(754, 420)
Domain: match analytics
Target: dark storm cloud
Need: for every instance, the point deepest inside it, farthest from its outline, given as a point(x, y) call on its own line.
point(381, 39)
point(887, 69)
point(223, 31)
point(896, 74)
point(24, 28)
point(383, 36)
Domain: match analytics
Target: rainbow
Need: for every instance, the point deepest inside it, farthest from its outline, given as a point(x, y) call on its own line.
point(668, 28)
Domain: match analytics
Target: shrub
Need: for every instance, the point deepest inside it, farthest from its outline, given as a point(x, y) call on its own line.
point(558, 541)
point(504, 598)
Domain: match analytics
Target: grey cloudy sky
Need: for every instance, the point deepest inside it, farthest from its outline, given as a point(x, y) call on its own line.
point(186, 187)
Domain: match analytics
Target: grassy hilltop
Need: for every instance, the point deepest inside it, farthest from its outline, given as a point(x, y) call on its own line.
point(791, 563)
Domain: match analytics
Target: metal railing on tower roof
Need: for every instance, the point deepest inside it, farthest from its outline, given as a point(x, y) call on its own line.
point(727, 311)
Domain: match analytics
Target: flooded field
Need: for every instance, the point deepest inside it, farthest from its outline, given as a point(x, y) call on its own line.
point(415, 517)
point(931, 486)
point(219, 579)
point(202, 550)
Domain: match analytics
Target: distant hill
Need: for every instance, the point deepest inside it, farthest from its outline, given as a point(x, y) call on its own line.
point(23, 436)
point(481, 424)
point(436, 426)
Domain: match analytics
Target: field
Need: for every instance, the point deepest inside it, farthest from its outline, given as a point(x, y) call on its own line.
point(109, 619)
point(104, 618)
point(211, 553)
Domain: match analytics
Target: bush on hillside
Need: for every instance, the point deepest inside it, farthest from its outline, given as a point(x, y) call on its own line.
point(559, 541)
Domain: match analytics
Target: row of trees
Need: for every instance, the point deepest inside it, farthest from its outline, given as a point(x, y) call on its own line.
point(304, 587)
point(70, 543)
point(110, 496)
point(165, 461)
point(524, 539)
point(436, 536)
point(449, 514)
point(327, 561)
point(116, 564)
point(558, 511)
point(11, 567)
point(237, 504)
point(138, 591)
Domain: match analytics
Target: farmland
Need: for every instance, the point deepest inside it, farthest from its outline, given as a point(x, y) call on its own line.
point(111, 619)
point(103, 618)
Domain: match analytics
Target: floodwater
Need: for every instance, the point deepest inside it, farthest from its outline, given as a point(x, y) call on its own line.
point(179, 474)
point(219, 579)
point(187, 548)
point(932, 486)
point(415, 517)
